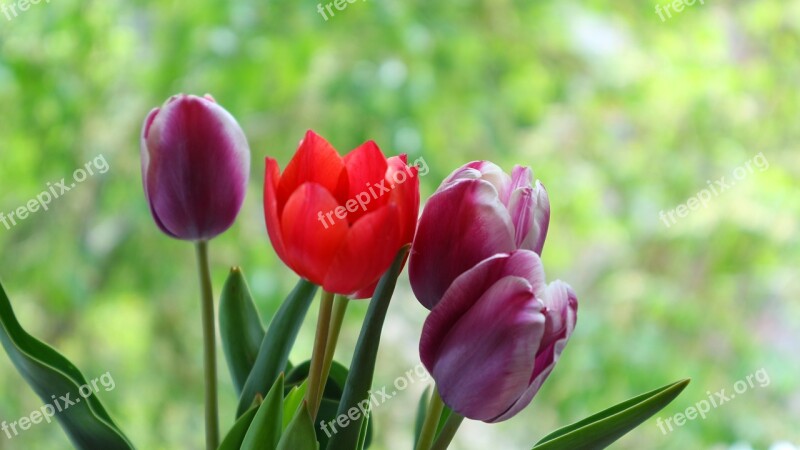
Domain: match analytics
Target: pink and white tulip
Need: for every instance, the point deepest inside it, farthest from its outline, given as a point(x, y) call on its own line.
point(496, 335)
point(477, 212)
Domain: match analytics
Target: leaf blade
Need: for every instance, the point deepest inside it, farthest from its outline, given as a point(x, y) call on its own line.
point(604, 428)
point(240, 328)
point(274, 351)
point(87, 424)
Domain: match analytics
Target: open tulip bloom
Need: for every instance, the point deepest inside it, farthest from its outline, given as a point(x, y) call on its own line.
point(346, 225)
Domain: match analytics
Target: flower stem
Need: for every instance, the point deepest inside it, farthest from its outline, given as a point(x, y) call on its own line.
point(432, 416)
point(448, 431)
point(209, 347)
point(339, 309)
point(314, 393)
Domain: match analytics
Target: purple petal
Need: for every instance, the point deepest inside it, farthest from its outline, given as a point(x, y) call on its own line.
point(467, 289)
point(196, 167)
point(482, 170)
point(561, 308)
point(530, 212)
point(460, 226)
point(484, 362)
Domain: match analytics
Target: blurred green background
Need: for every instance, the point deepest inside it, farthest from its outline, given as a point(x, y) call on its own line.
point(621, 115)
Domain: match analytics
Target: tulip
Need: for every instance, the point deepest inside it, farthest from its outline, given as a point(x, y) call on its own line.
point(477, 212)
point(339, 222)
point(496, 335)
point(195, 167)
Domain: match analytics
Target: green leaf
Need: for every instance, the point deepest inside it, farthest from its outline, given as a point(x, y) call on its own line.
point(86, 422)
point(299, 434)
point(602, 429)
point(362, 436)
point(240, 328)
point(331, 395)
point(292, 402)
point(334, 386)
point(265, 431)
point(362, 368)
point(235, 437)
point(273, 355)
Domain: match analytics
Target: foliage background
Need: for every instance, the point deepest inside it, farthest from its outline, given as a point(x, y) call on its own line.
point(620, 114)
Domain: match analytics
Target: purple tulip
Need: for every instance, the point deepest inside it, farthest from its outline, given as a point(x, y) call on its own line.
point(496, 335)
point(195, 167)
point(477, 212)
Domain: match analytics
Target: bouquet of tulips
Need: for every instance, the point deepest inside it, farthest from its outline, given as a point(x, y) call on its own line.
point(347, 226)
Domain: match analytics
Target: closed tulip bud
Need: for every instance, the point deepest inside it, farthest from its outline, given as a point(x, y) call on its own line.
point(339, 222)
point(195, 167)
point(477, 212)
point(496, 335)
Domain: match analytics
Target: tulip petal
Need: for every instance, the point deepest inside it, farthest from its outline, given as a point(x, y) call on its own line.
point(145, 156)
point(561, 307)
point(521, 176)
point(467, 289)
point(198, 164)
point(487, 171)
point(366, 169)
point(469, 210)
point(310, 240)
point(316, 161)
point(404, 180)
point(484, 363)
point(530, 211)
point(366, 253)
point(271, 179)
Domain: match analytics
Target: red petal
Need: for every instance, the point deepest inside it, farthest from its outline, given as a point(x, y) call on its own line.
point(367, 252)
point(315, 161)
point(405, 194)
point(272, 177)
point(366, 170)
point(310, 246)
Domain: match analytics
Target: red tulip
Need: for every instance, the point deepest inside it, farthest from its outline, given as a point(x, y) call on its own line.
point(195, 167)
point(477, 212)
point(339, 222)
point(496, 335)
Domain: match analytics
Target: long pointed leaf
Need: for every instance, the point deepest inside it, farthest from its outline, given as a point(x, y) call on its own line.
point(362, 368)
point(240, 328)
point(604, 428)
point(265, 431)
point(235, 437)
point(56, 380)
point(299, 435)
point(274, 351)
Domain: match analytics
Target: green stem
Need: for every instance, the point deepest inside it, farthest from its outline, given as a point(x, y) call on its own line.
point(432, 416)
point(209, 347)
point(448, 431)
point(339, 309)
point(314, 393)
